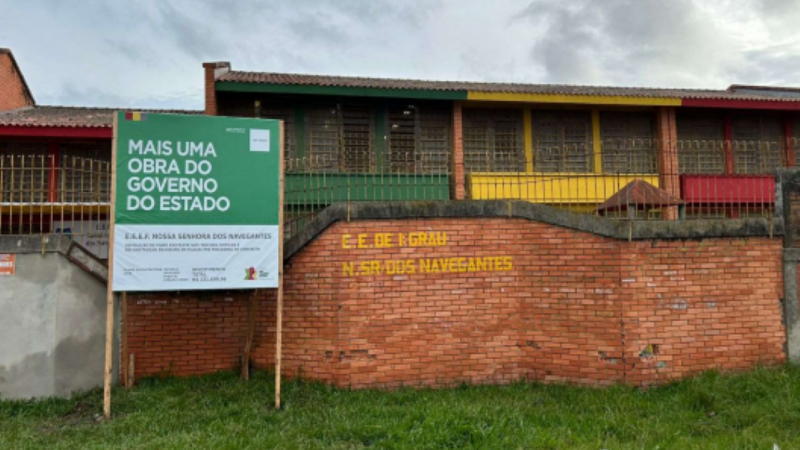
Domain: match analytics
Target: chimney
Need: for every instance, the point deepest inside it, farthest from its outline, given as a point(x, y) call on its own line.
point(14, 92)
point(213, 70)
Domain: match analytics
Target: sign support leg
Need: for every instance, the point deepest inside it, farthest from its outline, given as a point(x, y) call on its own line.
point(279, 306)
point(110, 282)
point(251, 331)
point(109, 353)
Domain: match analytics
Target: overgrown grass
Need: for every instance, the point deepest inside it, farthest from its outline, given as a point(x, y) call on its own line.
point(748, 411)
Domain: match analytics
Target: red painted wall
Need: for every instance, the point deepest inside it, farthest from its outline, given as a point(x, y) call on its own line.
point(728, 189)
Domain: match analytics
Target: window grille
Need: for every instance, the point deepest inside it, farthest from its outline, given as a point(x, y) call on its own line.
point(419, 139)
point(83, 172)
point(23, 172)
point(701, 149)
point(340, 137)
point(324, 136)
point(358, 150)
point(270, 110)
point(493, 140)
point(757, 143)
point(628, 144)
point(562, 141)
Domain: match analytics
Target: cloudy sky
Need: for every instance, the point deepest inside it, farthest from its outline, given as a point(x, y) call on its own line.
point(149, 53)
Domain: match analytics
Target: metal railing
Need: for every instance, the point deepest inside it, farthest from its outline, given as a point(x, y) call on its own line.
point(313, 183)
point(642, 179)
point(633, 180)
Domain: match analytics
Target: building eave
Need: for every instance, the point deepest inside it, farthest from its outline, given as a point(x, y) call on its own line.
point(56, 132)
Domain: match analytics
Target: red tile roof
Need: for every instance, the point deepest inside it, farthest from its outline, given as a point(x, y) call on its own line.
point(517, 88)
point(70, 117)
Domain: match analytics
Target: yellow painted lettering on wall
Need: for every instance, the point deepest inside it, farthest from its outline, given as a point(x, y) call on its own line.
point(348, 269)
point(418, 239)
point(429, 266)
point(383, 240)
point(395, 240)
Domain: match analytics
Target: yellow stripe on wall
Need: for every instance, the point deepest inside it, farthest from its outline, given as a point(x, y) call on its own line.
point(572, 99)
point(597, 147)
point(551, 188)
point(527, 140)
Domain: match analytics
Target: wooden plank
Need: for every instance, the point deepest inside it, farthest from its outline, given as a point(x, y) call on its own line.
point(124, 360)
point(109, 288)
point(251, 327)
point(279, 307)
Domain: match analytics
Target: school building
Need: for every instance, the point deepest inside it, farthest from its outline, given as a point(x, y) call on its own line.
point(569, 146)
point(502, 203)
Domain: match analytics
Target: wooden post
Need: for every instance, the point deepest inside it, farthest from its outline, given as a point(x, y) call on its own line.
point(251, 328)
point(110, 287)
point(279, 306)
point(124, 359)
point(131, 378)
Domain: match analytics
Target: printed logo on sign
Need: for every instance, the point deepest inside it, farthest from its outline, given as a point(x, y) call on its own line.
point(250, 274)
point(259, 140)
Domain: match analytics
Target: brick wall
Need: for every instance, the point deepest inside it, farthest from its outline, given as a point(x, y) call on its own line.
point(13, 94)
point(539, 302)
point(186, 334)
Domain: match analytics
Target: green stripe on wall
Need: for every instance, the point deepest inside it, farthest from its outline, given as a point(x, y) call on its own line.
point(327, 188)
point(228, 86)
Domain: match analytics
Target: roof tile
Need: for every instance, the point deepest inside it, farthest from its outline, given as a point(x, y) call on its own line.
point(71, 117)
point(517, 88)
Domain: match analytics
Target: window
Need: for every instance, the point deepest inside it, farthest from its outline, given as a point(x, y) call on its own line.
point(85, 174)
point(562, 141)
point(757, 143)
point(418, 139)
point(23, 172)
point(627, 142)
point(701, 148)
point(340, 137)
point(271, 108)
point(493, 140)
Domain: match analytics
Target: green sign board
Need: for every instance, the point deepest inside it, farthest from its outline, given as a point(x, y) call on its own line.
point(197, 202)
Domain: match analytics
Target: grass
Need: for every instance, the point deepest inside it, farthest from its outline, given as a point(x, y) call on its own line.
point(745, 411)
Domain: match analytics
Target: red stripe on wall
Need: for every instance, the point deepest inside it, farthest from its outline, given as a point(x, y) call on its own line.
point(742, 104)
point(57, 132)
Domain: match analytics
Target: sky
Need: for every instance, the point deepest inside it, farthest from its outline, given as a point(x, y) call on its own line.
point(149, 53)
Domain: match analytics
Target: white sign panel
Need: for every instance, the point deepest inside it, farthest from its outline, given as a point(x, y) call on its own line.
point(195, 257)
point(197, 203)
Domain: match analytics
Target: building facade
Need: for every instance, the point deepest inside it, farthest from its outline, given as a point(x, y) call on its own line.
point(568, 146)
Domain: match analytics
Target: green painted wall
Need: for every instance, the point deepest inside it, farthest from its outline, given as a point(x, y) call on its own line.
point(227, 86)
point(326, 188)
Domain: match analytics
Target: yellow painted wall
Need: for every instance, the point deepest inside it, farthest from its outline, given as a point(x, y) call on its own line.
point(565, 189)
point(572, 99)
